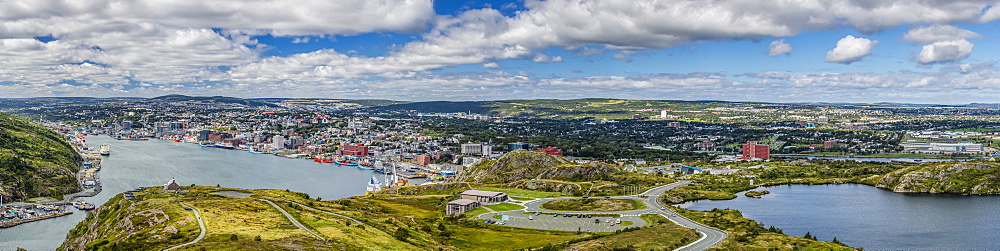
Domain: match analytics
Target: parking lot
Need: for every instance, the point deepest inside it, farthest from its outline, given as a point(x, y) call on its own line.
point(561, 223)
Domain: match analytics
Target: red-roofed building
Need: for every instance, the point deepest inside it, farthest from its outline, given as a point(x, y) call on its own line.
point(550, 151)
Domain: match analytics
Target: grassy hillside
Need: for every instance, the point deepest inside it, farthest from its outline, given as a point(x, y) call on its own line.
point(390, 222)
point(480, 107)
point(977, 177)
point(522, 164)
point(34, 161)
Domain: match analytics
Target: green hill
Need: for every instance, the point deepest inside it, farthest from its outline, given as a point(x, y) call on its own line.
point(978, 177)
point(217, 99)
point(34, 161)
point(384, 222)
point(523, 164)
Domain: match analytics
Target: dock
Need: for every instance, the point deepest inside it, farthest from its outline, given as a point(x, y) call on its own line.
point(11, 223)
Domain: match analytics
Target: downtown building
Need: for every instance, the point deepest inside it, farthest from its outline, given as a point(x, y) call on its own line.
point(752, 150)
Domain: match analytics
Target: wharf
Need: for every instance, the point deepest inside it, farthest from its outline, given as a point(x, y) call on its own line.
point(11, 223)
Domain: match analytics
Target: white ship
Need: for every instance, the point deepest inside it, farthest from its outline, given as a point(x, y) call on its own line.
point(373, 186)
point(105, 150)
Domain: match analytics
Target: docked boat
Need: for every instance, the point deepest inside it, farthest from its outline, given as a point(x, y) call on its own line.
point(105, 150)
point(255, 151)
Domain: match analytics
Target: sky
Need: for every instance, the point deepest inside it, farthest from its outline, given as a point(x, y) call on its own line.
point(914, 51)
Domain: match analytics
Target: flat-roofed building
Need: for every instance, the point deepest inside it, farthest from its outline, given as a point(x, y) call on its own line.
point(485, 196)
point(460, 206)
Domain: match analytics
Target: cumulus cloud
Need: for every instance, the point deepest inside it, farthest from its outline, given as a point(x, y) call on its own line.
point(850, 49)
point(779, 47)
point(491, 65)
point(280, 17)
point(170, 45)
point(937, 33)
point(945, 51)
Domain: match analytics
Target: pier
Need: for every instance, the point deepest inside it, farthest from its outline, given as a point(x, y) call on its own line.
point(11, 223)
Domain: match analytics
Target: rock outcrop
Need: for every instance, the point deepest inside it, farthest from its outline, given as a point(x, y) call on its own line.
point(521, 164)
point(957, 178)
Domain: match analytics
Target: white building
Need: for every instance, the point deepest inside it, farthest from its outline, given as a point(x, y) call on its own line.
point(278, 142)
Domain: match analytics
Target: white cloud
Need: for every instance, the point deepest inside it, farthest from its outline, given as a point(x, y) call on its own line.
point(279, 17)
point(945, 51)
point(850, 49)
point(779, 47)
point(491, 65)
point(937, 33)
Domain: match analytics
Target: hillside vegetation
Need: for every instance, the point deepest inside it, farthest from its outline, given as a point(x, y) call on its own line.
point(523, 164)
point(34, 161)
point(979, 177)
point(388, 222)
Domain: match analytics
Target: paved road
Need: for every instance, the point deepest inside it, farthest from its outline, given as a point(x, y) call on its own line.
point(301, 205)
point(710, 236)
point(201, 224)
point(289, 216)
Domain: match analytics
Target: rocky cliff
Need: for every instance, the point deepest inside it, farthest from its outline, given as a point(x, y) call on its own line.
point(521, 164)
point(34, 161)
point(979, 177)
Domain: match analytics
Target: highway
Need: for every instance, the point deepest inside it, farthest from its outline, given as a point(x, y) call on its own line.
point(709, 236)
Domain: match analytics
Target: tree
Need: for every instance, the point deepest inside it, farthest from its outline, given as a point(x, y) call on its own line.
point(836, 241)
point(401, 234)
point(234, 237)
point(808, 236)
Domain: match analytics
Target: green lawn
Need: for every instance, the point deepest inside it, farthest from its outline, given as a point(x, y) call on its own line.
point(521, 198)
point(505, 207)
point(476, 211)
point(524, 192)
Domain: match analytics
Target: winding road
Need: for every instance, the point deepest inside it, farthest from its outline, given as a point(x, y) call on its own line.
point(201, 224)
point(709, 236)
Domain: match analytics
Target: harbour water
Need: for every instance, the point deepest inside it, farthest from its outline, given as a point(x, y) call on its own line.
point(154, 162)
point(873, 218)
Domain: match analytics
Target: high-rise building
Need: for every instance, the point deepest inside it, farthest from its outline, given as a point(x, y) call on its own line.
point(278, 142)
point(829, 144)
point(663, 114)
point(295, 142)
point(518, 145)
point(203, 135)
point(472, 149)
point(752, 150)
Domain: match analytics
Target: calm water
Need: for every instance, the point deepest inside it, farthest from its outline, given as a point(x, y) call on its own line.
point(873, 218)
point(152, 163)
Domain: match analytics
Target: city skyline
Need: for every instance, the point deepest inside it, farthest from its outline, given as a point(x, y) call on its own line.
point(801, 51)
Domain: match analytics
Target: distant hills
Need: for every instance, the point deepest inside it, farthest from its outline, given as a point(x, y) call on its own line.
point(218, 99)
point(34, 161)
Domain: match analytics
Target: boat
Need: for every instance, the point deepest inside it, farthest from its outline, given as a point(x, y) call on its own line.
point(255, 151)
point(205, 145)
point(346, 162)
point(223, 146)
point(175, 140)
point(373, 186)
point(105, 150)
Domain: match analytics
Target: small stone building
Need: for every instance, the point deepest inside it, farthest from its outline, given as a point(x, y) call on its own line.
point(172, 187)
point(485, 197)
point(460, 206)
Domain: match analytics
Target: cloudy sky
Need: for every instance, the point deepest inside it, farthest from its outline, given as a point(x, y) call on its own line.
point(924, 51)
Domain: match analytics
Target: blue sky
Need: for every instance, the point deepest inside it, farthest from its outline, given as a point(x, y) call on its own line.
point(794, 51)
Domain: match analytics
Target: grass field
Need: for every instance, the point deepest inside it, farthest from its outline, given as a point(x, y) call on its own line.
point(524, 193)
point(505, 207)
point(476, 211)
